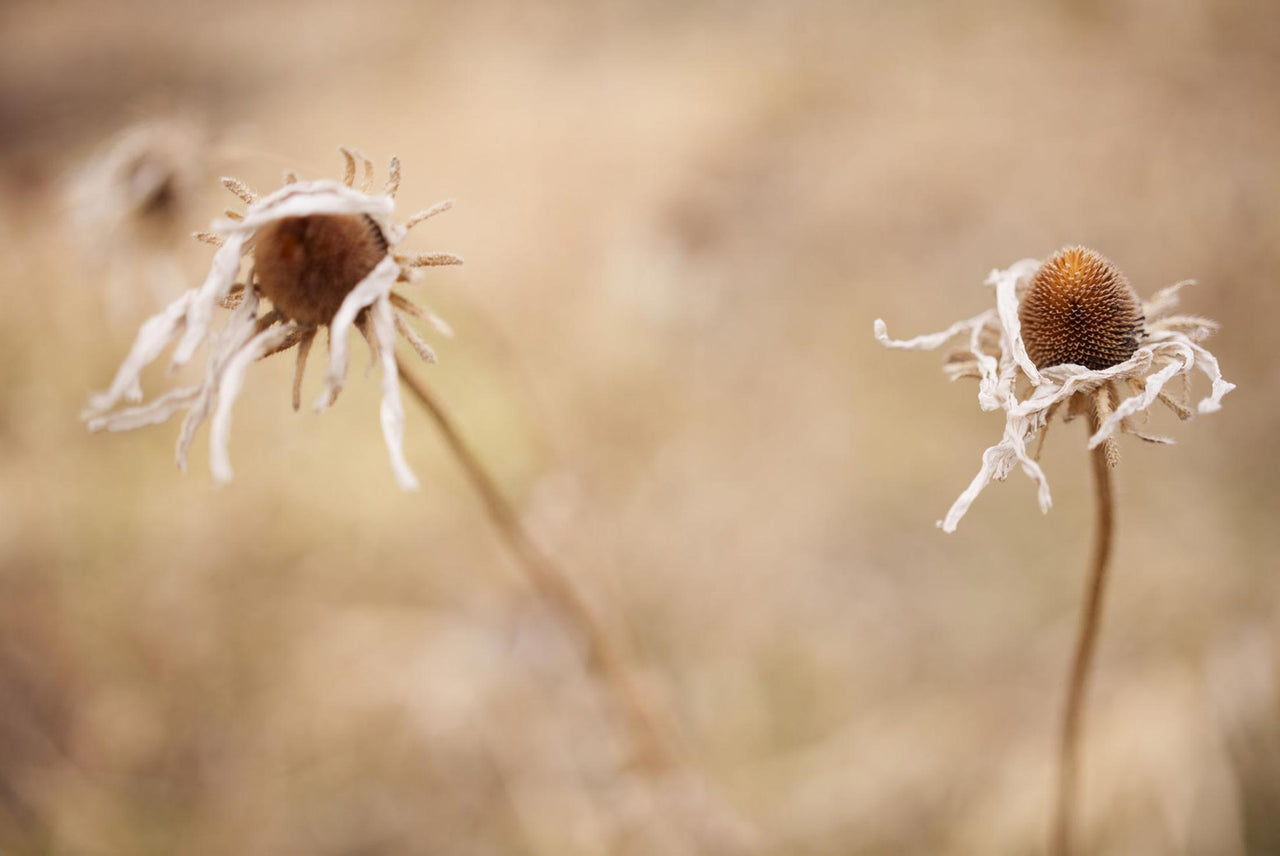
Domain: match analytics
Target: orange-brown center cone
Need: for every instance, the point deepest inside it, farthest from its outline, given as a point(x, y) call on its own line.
point(1080, 309)
point(306, 266)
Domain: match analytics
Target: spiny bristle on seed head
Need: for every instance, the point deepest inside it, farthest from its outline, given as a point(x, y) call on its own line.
point(306, 266)
point(1080, 309)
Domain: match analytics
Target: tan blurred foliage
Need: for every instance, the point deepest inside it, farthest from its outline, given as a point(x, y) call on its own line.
point(679, 221)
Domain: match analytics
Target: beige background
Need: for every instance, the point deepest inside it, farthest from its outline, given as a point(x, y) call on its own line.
point(679, 221)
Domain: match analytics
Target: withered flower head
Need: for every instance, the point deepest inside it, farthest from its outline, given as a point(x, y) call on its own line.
point(323, 255)
point(129, 206)
point(1071, 330)
point(141, 185)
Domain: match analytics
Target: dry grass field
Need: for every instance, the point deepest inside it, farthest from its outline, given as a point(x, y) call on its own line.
point(679, 221)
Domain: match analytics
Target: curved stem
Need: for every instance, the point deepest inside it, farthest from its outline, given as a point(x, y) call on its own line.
point(651, 749)
point(1086, 642)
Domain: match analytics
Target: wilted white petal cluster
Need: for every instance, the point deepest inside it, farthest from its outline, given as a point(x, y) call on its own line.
point(994, 352)
point(369, 305)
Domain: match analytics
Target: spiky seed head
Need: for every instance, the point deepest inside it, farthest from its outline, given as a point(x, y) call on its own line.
point(1080, 309)
point(306, 265)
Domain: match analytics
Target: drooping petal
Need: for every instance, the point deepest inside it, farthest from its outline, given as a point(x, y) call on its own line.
point(376, 284)
point(1006, 283)
point(997, 462)
point(988, 367)
point(1208, 364)
point(156, 334)
point(229, 389)
point(392, 410)
point(239, 329)
point(1180, 359)
point(152, 413)
point(222, 275)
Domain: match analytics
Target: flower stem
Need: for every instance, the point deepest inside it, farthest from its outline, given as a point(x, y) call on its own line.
point(1086, 642)
point(651, 749)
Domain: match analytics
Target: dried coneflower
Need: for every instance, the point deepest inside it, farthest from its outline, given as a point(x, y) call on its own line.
point(1071, 334)
point(323, 256)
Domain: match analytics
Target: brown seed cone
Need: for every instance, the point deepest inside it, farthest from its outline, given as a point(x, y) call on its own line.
point(1080, 309)
point(306, 266)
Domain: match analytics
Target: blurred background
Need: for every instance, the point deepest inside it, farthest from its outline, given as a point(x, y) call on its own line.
point(679, 220)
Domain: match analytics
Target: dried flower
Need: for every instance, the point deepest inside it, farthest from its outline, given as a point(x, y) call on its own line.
point(131, 202)
point(323, 256)
point(1071, 331)
point(141, 183)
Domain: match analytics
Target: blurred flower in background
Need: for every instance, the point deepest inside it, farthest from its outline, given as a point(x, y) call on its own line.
point(132, 204)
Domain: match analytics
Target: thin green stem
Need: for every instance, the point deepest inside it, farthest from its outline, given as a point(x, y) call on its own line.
point(1086, 642)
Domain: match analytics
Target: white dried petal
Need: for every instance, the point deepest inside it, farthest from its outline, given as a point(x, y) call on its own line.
point(305, 198)
point(392, 410)
point(152, 413)
point(239, 329)
point(1141, 402)
point(377, 283)
point(229, 389)
point(929, 341)
point(1007, 282)
point(156, 334)
point(222, 275)
point(997, 462)
point(1208, 364)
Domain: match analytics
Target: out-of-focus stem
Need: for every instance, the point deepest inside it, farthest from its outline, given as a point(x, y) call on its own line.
point(652, 751)
point(1086, 642)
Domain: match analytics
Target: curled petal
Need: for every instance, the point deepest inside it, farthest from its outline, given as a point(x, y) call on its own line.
point(929, 341)
point(222, 275)
point(1208, 364)
point(152, 413)
point(229, 389)
point(392, 410)
point(156, 334)
point(997, 462)
point(239, 329)
point(1006, 282)
point(1139, 402)
point(376, 284)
